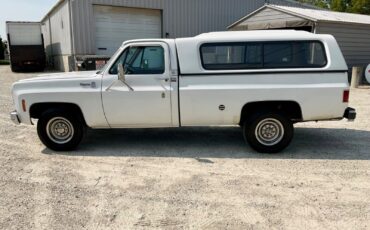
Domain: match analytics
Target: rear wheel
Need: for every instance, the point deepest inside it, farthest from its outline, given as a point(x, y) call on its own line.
point(268, 132)
point(60, 130)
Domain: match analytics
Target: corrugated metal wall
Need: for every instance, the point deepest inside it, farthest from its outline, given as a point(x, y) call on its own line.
point(353, 39)
point(56, 31)
point(192, 17)
point(46, 33)
point(181, 18)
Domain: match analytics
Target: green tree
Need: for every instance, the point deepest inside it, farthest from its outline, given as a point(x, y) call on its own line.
point(359, 6)
point(2, 49)
point(338, 5)
point(322, 4)
point(353, 6)
point(319, 3)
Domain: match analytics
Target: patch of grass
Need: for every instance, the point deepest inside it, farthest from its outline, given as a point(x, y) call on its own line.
point(4, 62)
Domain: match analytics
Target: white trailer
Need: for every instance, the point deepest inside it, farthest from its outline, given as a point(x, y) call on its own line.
point(26, 46)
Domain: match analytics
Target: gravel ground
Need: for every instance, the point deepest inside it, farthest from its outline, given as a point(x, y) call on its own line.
point(205, 178)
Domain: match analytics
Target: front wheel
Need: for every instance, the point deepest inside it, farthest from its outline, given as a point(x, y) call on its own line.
point(60, 130)
point(268, 132)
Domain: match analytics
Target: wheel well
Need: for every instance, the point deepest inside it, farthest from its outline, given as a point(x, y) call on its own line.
point(290, 108)
point(36, 110)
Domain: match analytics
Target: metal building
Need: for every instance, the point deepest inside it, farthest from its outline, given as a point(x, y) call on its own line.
point(352, 31)
point(98, 27)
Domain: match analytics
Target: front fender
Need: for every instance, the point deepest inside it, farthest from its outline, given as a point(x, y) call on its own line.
point(88, 99)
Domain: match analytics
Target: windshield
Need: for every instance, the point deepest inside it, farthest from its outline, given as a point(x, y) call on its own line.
point(102, 70)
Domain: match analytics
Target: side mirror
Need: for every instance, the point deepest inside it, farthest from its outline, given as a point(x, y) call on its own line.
point(122, 76)
point(121, 73)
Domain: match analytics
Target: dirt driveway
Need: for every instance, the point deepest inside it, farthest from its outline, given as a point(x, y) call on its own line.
point(204, 178)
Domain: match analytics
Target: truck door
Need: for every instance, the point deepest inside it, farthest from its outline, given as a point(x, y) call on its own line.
point(148, 104)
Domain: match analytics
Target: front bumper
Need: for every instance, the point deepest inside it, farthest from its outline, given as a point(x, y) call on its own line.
point(350, 114)
point(15, 117)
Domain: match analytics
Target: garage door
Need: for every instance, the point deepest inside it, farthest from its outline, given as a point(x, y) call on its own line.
point(114, 25)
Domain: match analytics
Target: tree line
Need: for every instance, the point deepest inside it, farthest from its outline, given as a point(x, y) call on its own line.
point(350, 6)
point(2, 49)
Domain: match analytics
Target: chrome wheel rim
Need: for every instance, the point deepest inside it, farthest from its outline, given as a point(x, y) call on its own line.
point(60, 130)
point(269, 131)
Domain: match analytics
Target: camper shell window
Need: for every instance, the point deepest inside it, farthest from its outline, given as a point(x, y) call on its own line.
point(267, 55)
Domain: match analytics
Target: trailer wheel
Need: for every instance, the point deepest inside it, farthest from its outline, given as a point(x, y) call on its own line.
point(15, 68)
point(40, 68)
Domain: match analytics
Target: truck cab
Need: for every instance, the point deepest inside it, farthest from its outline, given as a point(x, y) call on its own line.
point(151, 73)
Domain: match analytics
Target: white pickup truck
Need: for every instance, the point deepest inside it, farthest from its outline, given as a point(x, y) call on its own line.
point(263, 81)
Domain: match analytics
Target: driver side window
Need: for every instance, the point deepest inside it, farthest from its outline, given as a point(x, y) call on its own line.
point(141, 60)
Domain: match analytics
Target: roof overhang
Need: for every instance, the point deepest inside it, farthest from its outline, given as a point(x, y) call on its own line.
point(312, 20)
point(52, 10)
point(273, 25)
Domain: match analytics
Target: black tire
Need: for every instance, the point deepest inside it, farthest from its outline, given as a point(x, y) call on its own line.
point(15, 68)
point(71, 125)
point(268, 132)
point(40, 68)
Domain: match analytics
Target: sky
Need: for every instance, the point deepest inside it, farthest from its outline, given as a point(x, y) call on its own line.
point(22, 10)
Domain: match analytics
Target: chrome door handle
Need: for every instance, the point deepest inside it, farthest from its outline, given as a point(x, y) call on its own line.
point(166, 79)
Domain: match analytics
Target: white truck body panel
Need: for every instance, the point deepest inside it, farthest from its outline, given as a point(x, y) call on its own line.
point(62, 88)
point(319, 93)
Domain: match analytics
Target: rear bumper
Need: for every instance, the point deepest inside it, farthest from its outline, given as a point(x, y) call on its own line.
point(350, 114)
point(15, 117)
